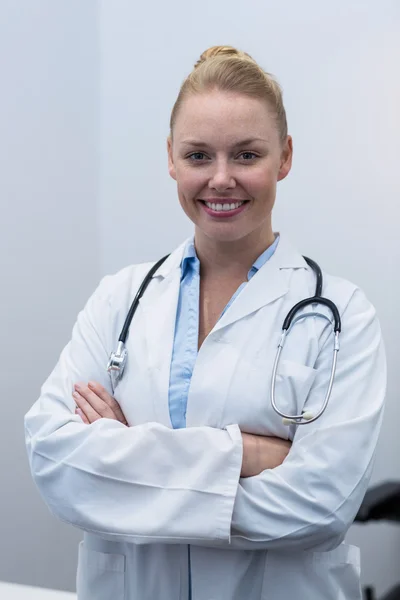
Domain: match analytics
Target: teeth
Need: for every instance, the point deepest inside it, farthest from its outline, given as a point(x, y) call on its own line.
point(223, 207)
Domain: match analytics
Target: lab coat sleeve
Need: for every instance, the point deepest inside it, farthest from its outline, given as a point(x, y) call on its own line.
point(140, 484)
point(310, 501)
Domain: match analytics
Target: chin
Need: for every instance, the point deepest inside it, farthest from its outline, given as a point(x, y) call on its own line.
point(218, 235)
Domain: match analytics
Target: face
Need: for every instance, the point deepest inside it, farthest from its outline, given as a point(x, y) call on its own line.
point(226, 146)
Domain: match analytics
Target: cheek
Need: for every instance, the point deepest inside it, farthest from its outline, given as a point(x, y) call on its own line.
point(190, 180)
point(264, 177)
point(257, 184)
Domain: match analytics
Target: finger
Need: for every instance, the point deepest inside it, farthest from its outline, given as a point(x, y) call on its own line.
point(82, 415)
point(102, 393)
point(97, 404)
point(90, 412)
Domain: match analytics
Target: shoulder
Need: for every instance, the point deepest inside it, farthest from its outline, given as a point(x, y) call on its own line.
point(360, 326)
point(355, 308)
point(348, 296)
point(109, 304)
point(344, 293)
point(118, 288)
point(121, 287)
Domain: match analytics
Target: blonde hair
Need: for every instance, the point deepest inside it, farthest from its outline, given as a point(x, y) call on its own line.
point(225, 68)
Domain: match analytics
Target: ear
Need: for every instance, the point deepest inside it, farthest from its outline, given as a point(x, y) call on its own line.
point(286, 158)
point(171, 165)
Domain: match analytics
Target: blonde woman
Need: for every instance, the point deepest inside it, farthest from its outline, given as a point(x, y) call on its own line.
point(186, 482)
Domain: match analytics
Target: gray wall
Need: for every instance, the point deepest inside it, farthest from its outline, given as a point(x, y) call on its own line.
point(49, 247)
point(85, 191)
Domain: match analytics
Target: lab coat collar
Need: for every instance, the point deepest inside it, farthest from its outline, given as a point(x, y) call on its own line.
point(267, 285)
point(285, 257)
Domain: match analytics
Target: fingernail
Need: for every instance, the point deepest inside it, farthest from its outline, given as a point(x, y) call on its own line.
point(92, 385)
point(76, 395)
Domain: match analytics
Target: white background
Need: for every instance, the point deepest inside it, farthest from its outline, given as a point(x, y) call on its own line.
point(87, 92)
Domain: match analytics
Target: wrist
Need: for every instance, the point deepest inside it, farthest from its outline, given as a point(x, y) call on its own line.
point(250, 455)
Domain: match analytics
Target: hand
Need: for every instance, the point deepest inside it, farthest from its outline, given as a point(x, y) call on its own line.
point(262, 452)
point(94, 402)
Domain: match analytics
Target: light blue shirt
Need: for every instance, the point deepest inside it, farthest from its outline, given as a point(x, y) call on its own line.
point(186, 337)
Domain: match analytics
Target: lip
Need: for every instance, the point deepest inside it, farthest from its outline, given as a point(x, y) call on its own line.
point(224, 214)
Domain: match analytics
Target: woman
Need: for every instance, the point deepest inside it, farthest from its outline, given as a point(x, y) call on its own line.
point(185, 481)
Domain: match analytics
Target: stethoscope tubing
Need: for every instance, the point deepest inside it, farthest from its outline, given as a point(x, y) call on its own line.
point(117, 362)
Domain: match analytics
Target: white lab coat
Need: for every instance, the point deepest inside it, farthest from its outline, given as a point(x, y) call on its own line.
point(146, 493)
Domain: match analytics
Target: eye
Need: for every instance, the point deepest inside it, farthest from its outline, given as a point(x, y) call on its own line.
point(201, 154)
point(247, 153)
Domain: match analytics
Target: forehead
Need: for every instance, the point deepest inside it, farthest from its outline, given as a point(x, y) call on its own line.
point(223, 116)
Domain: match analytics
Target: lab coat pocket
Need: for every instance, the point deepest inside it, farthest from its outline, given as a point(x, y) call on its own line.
point(294, 381)
point(313, 575)
point(100, 576)
point(293, 384)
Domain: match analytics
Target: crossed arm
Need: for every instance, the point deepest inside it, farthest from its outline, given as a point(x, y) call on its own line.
point(259, 452)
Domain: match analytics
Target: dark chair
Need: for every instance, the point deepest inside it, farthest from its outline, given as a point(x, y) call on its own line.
point(381, 503)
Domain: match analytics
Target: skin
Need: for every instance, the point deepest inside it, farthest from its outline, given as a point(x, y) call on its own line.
point(220, 166)
point(219, 120)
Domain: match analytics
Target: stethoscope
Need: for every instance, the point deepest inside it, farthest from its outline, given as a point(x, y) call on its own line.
point(117, 361)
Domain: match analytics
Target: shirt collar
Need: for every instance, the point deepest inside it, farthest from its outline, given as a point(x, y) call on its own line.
point(190, 259)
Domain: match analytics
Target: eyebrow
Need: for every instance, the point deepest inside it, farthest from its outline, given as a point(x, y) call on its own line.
point(235, 145)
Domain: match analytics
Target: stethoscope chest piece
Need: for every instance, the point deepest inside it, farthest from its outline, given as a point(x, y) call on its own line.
point(117, 362)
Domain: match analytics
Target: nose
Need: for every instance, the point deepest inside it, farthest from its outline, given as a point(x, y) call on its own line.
point(221, 178)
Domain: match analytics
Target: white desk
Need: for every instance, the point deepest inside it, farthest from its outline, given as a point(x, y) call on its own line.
point(12, 591)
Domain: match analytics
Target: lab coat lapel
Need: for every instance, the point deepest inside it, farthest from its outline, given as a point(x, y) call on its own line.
point(158, 307)
point(267, 285)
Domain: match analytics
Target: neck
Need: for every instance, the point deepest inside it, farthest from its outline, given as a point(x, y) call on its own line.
point(230, 259)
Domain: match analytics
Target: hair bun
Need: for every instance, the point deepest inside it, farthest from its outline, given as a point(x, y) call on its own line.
point(221, 51)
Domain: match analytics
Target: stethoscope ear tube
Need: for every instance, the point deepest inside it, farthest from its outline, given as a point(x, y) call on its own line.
point(140, 292)
point(318, 274)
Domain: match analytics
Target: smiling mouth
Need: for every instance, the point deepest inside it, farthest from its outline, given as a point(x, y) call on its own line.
point(224, 209)
point(224, 203)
